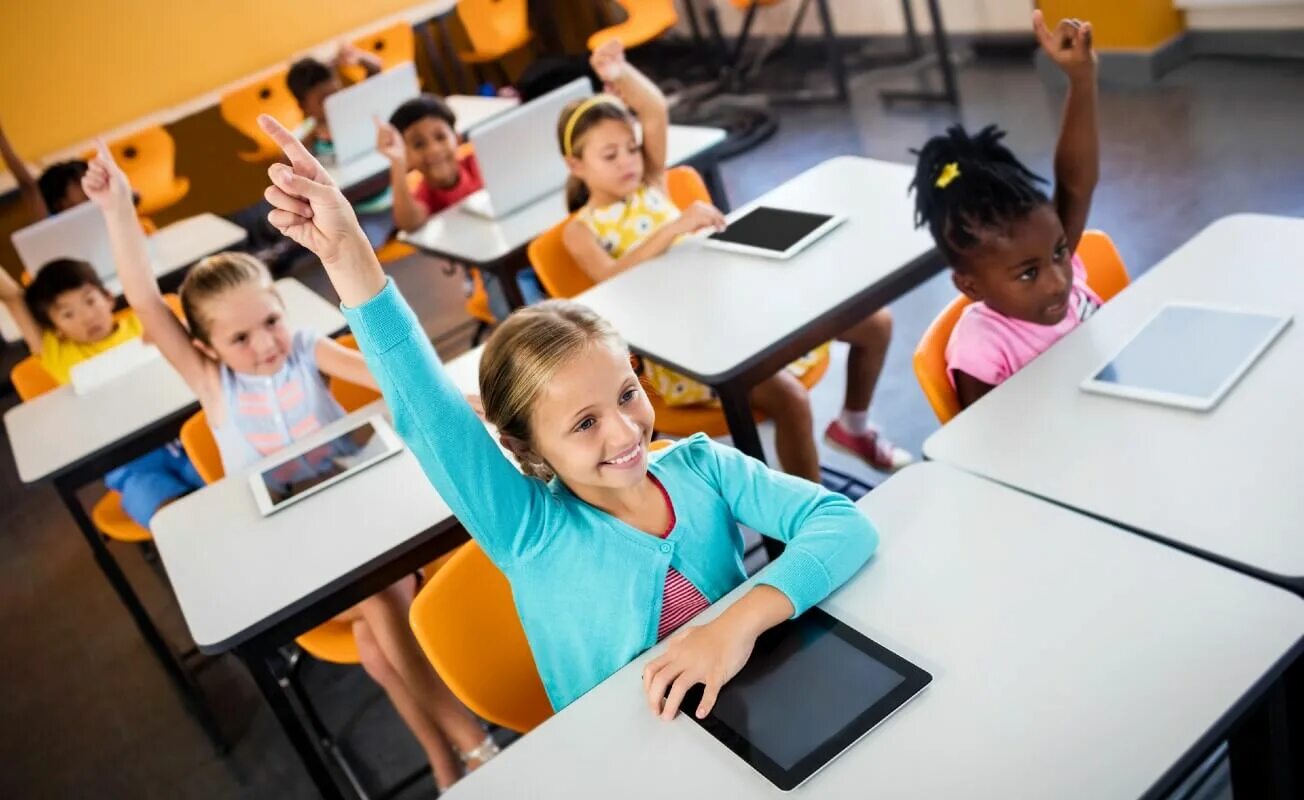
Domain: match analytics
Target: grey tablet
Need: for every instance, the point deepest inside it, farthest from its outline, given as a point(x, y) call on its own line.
point(1188, 355)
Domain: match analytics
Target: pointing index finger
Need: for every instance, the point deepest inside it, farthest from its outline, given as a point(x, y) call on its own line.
point(303, 162)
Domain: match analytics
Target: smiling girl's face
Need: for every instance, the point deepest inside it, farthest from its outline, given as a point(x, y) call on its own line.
point(1024, 271)
point(247, 330)
point(592, 422)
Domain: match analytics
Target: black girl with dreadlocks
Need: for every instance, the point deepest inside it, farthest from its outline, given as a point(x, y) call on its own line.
point(1010, 246)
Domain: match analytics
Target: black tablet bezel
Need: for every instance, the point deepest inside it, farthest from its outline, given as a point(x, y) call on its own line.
point(824, 219)
point(914, 681)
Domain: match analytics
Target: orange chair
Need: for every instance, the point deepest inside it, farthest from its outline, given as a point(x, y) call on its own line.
point(31, 380)
point(562, 277)
point(350, 395)
point(1106, 275)
point(149, 158)
point(241, 107)
point(466, 621)
point(393, 46)
point(495, 28)
point(645, 20)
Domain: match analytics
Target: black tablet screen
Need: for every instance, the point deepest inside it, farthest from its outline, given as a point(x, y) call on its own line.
point(789, 700)
point(768, 228)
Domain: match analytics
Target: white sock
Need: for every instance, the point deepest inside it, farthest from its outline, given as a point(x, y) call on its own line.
point(856, 422)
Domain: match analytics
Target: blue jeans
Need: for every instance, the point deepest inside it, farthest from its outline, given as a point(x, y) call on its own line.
point(531, 289)
point(148, 482)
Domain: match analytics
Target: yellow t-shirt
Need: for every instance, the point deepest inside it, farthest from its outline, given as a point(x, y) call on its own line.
point(59, 355)
point(626, 223)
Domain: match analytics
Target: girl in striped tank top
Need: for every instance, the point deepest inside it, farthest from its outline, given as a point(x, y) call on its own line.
point(261, 387)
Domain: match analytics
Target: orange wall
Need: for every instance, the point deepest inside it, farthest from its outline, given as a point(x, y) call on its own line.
point(74, 68)
point(1121, 24)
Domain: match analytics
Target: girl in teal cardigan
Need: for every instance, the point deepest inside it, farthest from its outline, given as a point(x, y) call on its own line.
point(590, 536)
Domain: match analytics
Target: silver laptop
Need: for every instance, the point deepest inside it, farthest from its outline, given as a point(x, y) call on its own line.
point(351, 112)
point(79, 232)
point(517, 153)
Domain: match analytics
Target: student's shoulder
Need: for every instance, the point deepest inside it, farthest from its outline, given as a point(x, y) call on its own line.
point(697, 452)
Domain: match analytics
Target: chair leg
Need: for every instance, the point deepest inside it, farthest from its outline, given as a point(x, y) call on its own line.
point(481, 329)
point(293, 687)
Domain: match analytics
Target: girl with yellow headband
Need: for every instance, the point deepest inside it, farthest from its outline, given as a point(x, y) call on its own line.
point(623, 217)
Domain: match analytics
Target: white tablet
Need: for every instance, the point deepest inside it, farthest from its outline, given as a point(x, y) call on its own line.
point(303, 470)
point(1188, 355)
point(773, 232)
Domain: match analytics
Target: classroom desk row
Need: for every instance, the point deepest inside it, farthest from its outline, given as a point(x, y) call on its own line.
point(171, 250)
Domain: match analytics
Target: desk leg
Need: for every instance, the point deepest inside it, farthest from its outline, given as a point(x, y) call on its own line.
point(190, 692)
point(737, 407)
point(1259, 749)
point(505, 270)
point(264, 668)
point(715, 183)
point(949, 93)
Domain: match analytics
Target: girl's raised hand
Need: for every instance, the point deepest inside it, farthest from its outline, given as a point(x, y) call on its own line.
point(609, 61)
point(1069, 46)
point(306, 204)
point(105, 183)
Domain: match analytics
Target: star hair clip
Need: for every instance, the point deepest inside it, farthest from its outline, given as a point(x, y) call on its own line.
point(949, 173)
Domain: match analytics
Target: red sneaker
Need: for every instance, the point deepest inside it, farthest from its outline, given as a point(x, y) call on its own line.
point(870, 446)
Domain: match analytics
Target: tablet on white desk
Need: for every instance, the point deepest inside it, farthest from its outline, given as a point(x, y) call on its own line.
point(779, 233)
point(811, 689)
point(1188, 355)
point(305, 469)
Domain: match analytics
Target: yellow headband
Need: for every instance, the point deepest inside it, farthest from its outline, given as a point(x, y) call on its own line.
point(595, 100)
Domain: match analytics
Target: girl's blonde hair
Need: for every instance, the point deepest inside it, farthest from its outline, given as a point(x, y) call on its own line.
point(570, 138)
point(213, 276)
point(525, 353)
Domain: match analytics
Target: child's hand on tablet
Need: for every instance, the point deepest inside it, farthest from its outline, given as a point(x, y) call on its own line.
point(709, 654)
point(700, 216)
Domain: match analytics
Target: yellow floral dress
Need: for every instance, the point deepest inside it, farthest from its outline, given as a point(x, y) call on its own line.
point(621, 226)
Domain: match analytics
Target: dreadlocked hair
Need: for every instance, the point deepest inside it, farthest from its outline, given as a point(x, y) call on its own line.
point(964, 184)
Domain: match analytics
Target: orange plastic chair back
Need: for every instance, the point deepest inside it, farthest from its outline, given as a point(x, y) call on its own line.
point(686, 186)
point(1106, 275)
point(495, 27)
point(201, 448)
point(393, 46)
point(30, 379)
point(645, 20)
point(466, 622)
point(149, 159)
point(241, 107)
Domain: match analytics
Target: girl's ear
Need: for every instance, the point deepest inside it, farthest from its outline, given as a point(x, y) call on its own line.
point(967, 285)
point(206, 349)
point(517, 447)
point(575, 166)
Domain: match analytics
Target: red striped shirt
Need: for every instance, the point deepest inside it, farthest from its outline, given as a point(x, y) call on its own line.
point(681, 600)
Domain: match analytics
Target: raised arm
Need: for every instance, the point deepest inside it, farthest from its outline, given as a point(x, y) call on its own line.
point(598, 264)
point(409, 214)
point(1077, 155)
point(27, 185)
point(11, 297)
point(508, 513)
point(107, 187)
point(350, 54)
point(644, 99)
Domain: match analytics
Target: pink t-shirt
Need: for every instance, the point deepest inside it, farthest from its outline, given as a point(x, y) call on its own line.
point(991, 347)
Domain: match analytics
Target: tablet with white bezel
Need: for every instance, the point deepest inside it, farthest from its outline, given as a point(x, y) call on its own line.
point(303, 469)
point(778, 233)
point(1188, 355)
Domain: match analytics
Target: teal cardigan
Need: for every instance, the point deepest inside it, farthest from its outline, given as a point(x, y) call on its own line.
point(587, 586)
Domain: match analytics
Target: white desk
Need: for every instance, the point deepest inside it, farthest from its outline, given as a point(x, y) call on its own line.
point(738, 318)
point(57, 430)
point(469, 110)
point(1070, 660)
point(172, 248)
point(463, 237)
point(1224, 483)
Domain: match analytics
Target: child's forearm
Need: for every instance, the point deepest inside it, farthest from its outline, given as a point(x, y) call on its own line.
point(408, 213)
point(131, 255)
point(640, 94)
point(1077, 155)
point(24, 320)
point(27, 185)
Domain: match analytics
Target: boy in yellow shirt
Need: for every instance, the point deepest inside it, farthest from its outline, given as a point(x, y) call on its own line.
point(66, 316)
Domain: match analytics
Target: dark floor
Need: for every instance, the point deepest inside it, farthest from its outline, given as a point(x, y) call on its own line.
point(89, 714)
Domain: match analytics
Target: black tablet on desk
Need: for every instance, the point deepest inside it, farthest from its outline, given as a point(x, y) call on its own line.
point(779, 233)
point(812, 688)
